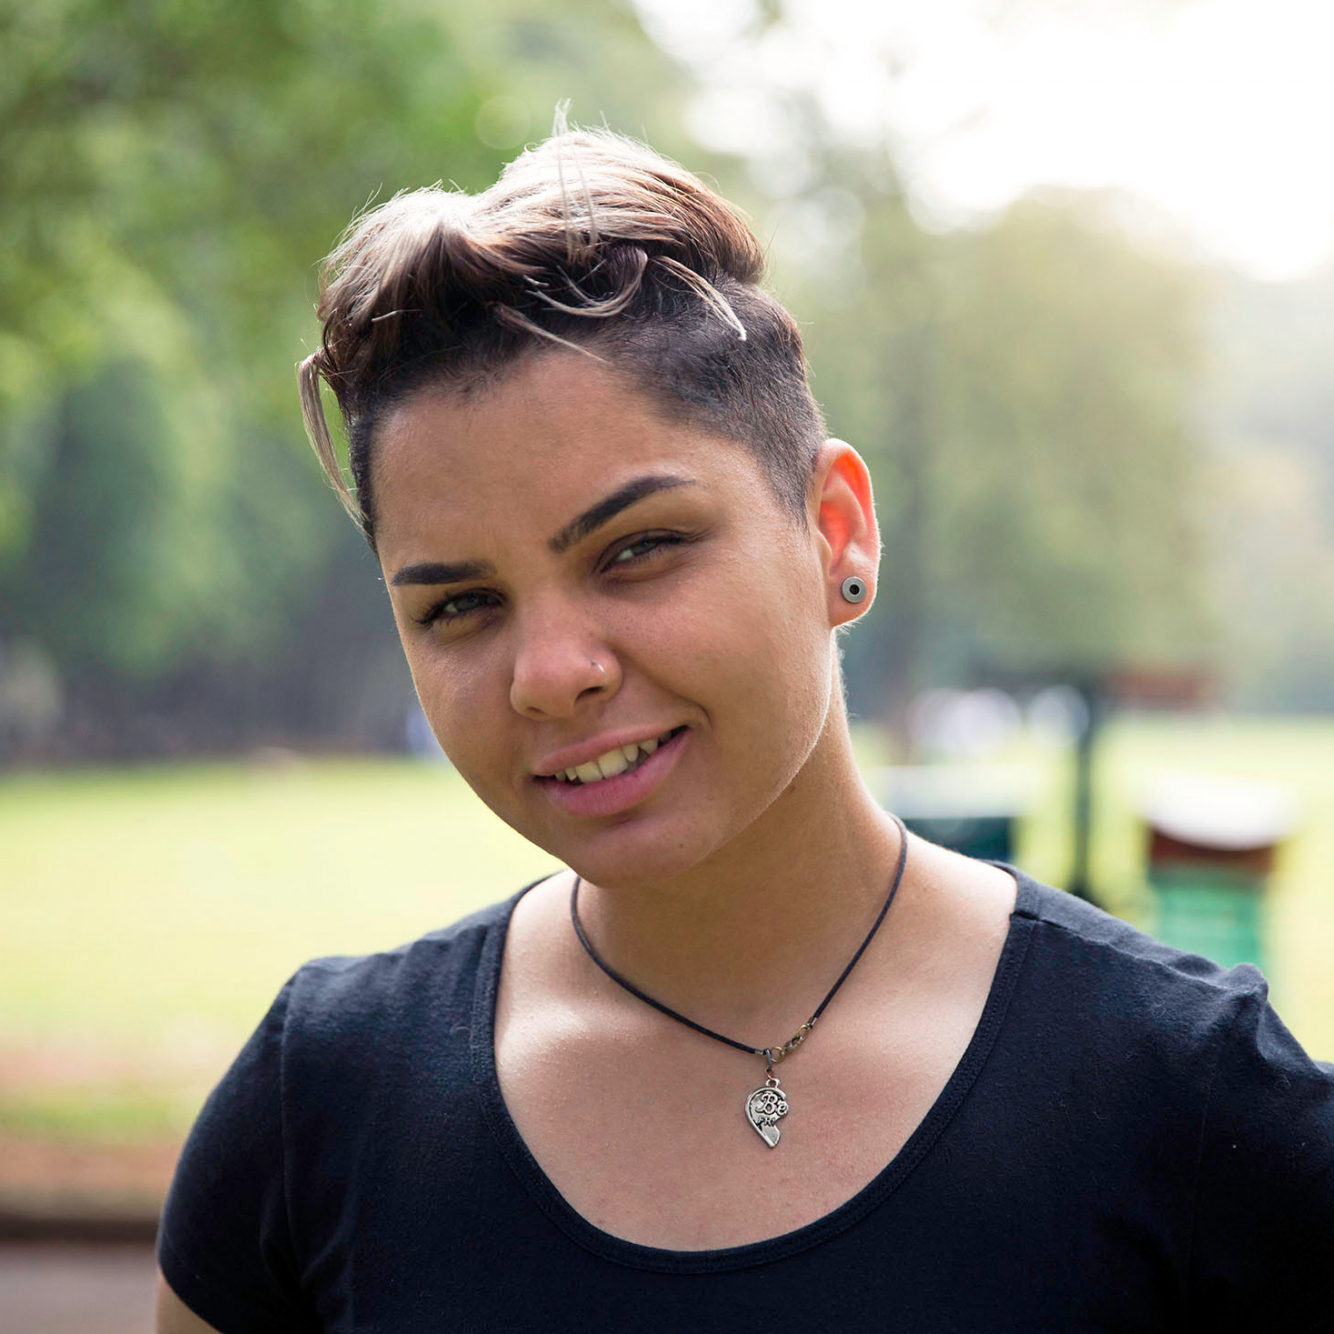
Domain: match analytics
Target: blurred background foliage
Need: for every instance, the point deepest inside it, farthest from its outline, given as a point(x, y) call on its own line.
point(172, 173)
point(1087, 453)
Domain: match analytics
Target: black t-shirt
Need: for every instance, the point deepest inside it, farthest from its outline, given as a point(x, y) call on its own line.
point(1132, 1141)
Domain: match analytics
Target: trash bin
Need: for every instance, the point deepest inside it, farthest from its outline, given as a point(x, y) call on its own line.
point(1211, 849)
point(970, 808)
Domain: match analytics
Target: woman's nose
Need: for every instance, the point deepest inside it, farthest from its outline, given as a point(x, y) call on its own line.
point(559, 667)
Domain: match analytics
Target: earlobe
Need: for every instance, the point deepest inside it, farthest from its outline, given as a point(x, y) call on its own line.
point(848, 529)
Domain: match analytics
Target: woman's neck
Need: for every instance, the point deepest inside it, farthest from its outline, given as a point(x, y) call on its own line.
point(763, 928)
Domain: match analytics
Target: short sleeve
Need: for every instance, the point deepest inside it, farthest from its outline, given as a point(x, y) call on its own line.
point(1263, 1245)
point(225, 1244)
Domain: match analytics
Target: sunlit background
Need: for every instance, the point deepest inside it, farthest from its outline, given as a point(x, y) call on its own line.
point(1065, 274)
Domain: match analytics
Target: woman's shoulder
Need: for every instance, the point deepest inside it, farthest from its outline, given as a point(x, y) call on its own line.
point(453, 946)
point(1091, 953)
point(351, 1000)
point(1093, 982)
point(1171, 1019)
point(1098, 982)
point(1152, 1060)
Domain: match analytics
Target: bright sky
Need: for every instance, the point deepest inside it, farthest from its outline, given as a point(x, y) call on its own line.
point(1220, 113)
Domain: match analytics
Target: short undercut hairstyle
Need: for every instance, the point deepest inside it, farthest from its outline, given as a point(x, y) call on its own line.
point(588, 241)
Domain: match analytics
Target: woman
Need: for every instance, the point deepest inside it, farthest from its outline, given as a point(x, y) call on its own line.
point(758, 1053)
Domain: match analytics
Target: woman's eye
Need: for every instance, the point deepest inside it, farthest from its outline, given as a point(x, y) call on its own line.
point(459, 606)
point(642, 547)
point(452, 608)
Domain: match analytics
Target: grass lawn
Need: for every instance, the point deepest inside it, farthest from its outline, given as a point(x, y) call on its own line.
point(152, 914)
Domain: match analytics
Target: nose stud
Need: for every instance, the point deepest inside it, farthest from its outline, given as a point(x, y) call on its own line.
point(854, 589)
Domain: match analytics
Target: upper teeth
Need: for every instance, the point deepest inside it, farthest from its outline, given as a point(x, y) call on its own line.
point(615, 761)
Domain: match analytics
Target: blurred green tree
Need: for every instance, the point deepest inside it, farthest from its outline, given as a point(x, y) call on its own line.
point(171, 174)
point(1024, 390)
point(1270, 409)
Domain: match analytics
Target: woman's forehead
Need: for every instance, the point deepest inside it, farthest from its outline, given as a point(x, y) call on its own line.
point(561, 430)
point(536, 451)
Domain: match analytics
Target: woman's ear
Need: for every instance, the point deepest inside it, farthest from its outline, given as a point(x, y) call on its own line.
point(845, 522)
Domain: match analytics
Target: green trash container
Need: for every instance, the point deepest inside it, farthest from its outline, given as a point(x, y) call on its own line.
point(1210, 912)
point(1211, 849)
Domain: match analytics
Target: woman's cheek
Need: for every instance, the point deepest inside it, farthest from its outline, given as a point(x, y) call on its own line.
point(444, 693)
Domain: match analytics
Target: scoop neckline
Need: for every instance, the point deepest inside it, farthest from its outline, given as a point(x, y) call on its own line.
point(663, 1260)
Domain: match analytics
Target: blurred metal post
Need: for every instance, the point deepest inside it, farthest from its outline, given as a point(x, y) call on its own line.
point(1095, 712)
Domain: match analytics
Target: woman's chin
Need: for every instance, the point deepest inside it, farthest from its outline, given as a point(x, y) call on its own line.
point(635, 854)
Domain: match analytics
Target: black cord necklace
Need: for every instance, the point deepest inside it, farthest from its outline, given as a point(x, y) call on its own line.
point(768, 1103)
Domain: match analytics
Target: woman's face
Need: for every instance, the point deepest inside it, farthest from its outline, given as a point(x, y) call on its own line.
point(573, 574)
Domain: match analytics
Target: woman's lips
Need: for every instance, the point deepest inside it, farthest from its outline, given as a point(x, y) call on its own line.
point(620, 792)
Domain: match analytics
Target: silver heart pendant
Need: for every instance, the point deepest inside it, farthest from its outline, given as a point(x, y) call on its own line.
point(764, 1108)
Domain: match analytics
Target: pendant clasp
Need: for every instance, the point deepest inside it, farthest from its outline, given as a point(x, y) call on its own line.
point(775, 1055)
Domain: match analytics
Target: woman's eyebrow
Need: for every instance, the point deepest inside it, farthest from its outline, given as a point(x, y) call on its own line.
point(610, 506)
point(606, 509)
point(434, 572)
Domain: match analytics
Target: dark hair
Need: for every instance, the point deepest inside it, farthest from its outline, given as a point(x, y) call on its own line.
point(588, 241)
